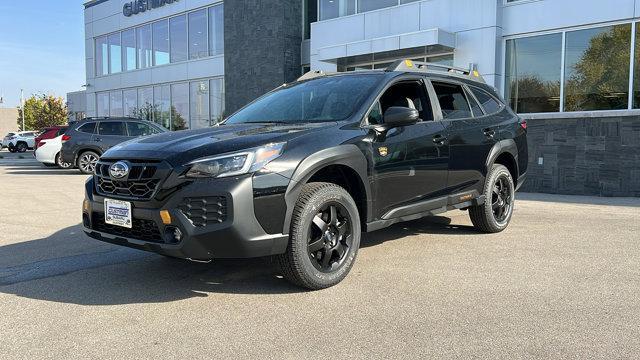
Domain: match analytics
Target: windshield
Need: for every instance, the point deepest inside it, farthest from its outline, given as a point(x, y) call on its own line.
point(327, 99)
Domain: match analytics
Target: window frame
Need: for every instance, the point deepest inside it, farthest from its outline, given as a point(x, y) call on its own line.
point(437, 116)
point(501, 105)
point(464, 90)
point(563, 32)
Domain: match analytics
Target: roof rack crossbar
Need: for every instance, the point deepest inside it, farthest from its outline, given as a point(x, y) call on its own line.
point(426, 67)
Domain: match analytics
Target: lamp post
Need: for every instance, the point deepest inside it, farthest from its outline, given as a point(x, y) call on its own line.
point(22, 105)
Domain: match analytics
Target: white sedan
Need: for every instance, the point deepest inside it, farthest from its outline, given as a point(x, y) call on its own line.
point(48, 153)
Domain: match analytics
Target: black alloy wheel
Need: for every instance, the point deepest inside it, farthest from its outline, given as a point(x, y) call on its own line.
point(324, 237)
point(330, 237)
point(495, 213)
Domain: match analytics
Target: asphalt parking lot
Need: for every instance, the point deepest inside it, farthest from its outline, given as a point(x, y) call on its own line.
point(562, 282)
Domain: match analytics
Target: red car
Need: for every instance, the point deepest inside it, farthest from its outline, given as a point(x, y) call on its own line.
point(50, 133)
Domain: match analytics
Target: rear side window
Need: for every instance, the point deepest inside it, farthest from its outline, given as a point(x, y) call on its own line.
point(88, 128)
point(113, 128)
point(475, 107)
point(488, 102)
point(140, 129)
point(452, 101)
point(60, 132)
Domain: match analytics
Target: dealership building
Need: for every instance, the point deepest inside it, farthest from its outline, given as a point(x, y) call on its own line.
point(570, 67)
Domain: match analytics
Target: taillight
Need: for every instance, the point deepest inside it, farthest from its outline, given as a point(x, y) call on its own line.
point(66, 138)
point(523, 124)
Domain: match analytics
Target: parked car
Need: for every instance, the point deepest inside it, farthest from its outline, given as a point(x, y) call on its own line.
point(85, 141)
point(49, 153)
point(299, 173)
point(5, 141)
point(50, 133)
point(22, 141)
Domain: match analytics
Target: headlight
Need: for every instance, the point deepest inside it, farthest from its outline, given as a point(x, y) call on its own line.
point(234, 164)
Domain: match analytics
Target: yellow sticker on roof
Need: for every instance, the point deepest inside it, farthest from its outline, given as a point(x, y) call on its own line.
point(409, 63)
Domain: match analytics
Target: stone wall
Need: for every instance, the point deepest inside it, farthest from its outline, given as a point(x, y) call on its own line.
point(584, 156)
point(262, 47)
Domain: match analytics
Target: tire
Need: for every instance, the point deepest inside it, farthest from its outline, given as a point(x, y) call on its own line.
point(12, 148)
point(324, 237)
point(21, 147)
point(61, 164)
point(495, 214)
point(87, 162)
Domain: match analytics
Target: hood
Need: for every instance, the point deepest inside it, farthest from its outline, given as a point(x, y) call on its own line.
point(180, 147)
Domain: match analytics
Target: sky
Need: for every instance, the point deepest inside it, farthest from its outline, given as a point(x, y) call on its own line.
point(41, 48)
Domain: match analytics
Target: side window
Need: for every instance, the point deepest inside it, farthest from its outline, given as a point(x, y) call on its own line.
point(114, 128)
point(409, 94)
point(375, 115)
point(488, 102)
point(475, 107)
point(61, 132)
point(88, 128)
point(140, 129)
point(452, 101)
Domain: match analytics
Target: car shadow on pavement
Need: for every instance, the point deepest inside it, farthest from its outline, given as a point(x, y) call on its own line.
point(69, 267)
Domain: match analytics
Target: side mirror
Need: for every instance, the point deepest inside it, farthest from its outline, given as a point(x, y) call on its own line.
point(400, 116)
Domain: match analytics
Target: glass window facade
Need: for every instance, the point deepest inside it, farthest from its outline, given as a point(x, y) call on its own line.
point(198, 29)
point(368, 5)
point(216, 30)
point(216, 91)
point(143, 39)
point(129, 61)
point(162, 105)
point(533, 67)
point(330, 9)
point(102, 104)
point(595, 74)
point(102, 56)
point(597, 68)
point(115, 104)
point(115, 53)
point(200, 108)
point(130, 102)
point(178, 38)
point(179, 106)
point(193, 35)
point(160, 31)
point(145, 108)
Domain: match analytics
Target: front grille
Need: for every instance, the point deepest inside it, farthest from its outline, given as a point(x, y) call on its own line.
point(205, 211)
point(141, 184)
point(145, 230)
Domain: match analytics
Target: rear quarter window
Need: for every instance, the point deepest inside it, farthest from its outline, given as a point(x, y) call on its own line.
point(88, 128)
point(488, 102)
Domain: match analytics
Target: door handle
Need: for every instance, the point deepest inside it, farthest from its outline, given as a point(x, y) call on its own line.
point(439, 139)
point(489, 132)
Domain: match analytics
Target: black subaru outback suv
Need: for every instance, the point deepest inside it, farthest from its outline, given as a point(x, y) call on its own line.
point(301, 172)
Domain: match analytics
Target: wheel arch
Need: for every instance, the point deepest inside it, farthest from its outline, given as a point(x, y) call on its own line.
point(343, 165)
point(505, 153)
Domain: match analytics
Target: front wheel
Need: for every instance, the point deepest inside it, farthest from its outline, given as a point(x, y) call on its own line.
point(324, 238)
point(87, 162)
point(495, 214)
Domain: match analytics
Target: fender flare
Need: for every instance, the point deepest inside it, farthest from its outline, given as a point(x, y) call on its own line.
point(503, 146)
point(348, 155)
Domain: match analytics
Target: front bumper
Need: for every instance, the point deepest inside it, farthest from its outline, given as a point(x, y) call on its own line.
point(239, 235)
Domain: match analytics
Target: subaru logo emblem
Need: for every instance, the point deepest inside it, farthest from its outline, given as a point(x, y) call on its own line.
point(119, 170)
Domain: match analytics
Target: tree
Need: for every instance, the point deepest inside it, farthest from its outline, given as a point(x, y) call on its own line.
point(42, 111)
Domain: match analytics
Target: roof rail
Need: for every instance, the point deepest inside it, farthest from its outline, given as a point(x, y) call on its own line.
point(313, 74)
point(424, 67)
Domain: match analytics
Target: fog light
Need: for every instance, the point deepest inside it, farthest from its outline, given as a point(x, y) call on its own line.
point(166, 217)
point(85, 206)
point(172, 235)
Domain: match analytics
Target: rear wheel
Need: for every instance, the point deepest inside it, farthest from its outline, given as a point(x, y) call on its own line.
point(87, 162)
point(495, 214)
point(324, 237)
point(12, 148)
point(61, 164)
